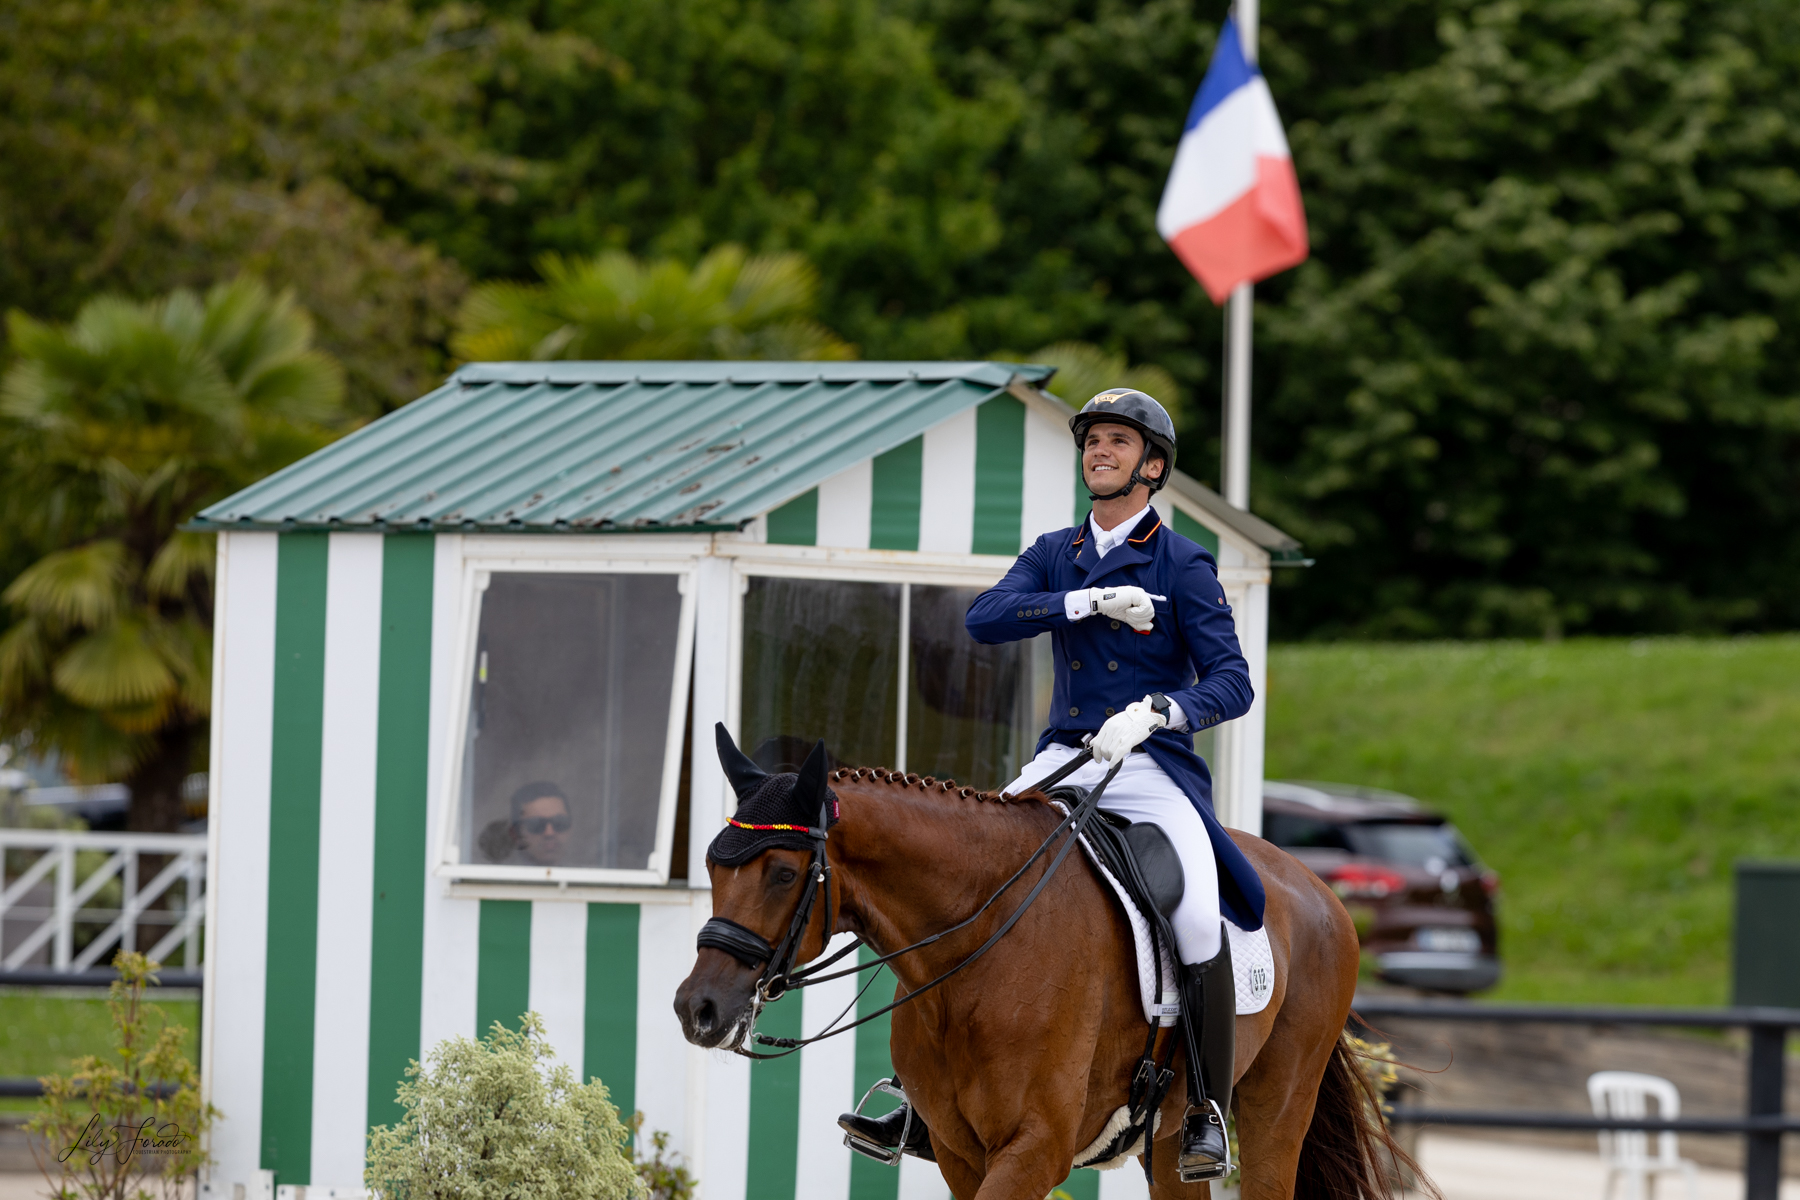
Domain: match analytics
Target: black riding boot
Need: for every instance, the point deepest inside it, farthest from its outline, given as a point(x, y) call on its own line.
point(1209, 1015)
point(890, 1133)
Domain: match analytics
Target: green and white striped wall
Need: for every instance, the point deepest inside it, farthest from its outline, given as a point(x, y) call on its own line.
point(335, 958)
point(987, 481)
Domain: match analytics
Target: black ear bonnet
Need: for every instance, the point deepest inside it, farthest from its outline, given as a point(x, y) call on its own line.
point(790, 811)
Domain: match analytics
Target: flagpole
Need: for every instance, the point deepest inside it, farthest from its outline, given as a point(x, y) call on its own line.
point(1238, 745)
point(1234, 450)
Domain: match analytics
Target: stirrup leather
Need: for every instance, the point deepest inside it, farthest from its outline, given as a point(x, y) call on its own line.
point(1197, 1169)
point(887, 1156)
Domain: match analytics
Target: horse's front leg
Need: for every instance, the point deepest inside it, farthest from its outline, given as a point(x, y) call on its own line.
point(1011, 1094)
point(1026, 1167)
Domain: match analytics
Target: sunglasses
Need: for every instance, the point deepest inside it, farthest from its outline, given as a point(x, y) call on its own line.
point(537, 825)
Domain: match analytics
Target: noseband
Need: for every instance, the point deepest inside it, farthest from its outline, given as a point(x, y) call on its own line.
point(750, 947)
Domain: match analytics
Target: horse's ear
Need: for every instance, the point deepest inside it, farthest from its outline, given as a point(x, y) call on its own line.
point(744, 774)
point(809, 788)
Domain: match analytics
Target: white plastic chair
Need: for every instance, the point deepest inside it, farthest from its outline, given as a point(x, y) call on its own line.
point(1627, 1152)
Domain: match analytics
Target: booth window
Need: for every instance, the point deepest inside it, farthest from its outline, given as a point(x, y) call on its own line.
point(566, 765)
point(973, 712)
point(823, 658)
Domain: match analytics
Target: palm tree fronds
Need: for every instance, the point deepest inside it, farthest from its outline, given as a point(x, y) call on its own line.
point(24, 662)
point(1084, 370)
point(774, 287)
point(249, 330)
point(801, 339)
point(307, 387)
point(92, 749)
point(81, 587)
point(186, 646)
point(613, 306)
point(115, 667)
point(114, 429)
point(500, 322)
point(186, 554)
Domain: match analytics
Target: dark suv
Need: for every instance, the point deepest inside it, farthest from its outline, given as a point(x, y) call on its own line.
point(1422, 902)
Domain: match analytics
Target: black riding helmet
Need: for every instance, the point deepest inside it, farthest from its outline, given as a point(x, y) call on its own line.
point(1124, 406)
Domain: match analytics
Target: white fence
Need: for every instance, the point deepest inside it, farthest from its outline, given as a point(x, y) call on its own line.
point(59, 889)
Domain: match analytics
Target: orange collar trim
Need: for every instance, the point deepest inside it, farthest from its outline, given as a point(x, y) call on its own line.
point(1147, 533)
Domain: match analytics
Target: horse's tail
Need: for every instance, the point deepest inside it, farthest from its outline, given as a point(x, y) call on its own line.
point(1348, 1153)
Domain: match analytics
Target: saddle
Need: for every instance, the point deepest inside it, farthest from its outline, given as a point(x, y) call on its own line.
point(1142, 861)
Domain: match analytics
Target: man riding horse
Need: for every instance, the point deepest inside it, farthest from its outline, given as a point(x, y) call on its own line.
point(1146, 653)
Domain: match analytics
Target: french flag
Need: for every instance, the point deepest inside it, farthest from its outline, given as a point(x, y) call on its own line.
point(1231, 209)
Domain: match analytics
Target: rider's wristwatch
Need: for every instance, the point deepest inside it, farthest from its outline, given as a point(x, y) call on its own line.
point(1159, 704)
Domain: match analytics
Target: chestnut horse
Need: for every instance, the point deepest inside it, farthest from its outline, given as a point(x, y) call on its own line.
point(1017, 1062)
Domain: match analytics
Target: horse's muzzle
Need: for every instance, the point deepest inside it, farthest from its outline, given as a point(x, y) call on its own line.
point(715, 1000)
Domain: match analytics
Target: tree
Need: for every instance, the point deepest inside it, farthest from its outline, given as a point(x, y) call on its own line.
point(728, 305)
point(150, 146)
point(114, 429)
point(1540, 372)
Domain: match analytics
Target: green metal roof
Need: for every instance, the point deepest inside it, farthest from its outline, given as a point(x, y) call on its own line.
point(586, 446)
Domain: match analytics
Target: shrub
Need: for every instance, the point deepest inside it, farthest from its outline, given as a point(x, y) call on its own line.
point(664, 1176)
point(497, 1119)
point(114, 1130)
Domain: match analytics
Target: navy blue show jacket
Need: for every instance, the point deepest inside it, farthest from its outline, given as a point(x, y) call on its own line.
point(1191, 656)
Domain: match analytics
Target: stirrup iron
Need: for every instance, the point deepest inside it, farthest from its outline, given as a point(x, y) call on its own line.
point(1202, 1172)
point(887, 1156)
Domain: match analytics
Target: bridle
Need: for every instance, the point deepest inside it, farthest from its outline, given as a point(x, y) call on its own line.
point(750, 947)
point(779, 975)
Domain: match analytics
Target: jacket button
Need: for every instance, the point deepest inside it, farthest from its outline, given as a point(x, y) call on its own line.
point(1074, 712)
point(1112, 666)
point(1115, 624)
point(1109, 712)
point(1021, 612)
point(1074, 664)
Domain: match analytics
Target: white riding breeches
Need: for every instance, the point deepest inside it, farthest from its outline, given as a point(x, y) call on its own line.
point(1144, 792)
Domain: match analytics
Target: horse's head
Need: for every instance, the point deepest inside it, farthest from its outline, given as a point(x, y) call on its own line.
point(764, 870)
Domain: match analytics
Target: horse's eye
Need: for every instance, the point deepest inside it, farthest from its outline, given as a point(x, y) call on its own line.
point(786, 875)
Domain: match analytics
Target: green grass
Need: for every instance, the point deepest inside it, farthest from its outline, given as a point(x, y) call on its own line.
point(43, 1032)
point(1611, 783)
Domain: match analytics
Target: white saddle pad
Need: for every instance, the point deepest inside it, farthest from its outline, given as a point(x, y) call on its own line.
point(1252, 962)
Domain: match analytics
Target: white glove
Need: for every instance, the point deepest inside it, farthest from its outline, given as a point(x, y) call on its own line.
point(1128, 604)
point(1126, 730)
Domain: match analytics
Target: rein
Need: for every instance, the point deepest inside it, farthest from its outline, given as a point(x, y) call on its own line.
point(780, 976)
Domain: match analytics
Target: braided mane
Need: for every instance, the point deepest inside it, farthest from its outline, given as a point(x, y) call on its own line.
point(923, 782)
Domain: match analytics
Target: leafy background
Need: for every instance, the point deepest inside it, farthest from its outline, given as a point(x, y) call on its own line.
point(1539, 376)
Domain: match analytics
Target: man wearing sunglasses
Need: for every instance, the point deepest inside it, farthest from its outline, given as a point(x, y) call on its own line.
point(540, 823)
